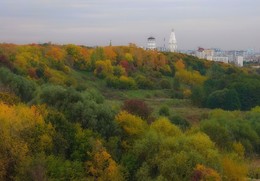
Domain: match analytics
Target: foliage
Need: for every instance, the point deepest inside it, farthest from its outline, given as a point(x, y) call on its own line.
point(198, 96)
point(180, 122)
point(224, 128)
point(225, 99)
point(119, 71)
point(83, 108)
point(132, 125)
point(137, 107)
point(23, 132)
point(165, 84)
point(190, 78)
point(233, 169)
point(164, 111)
point(164, 127)
point(126, 83)
point(41, 167)
point(21, 86)
point(166, 70)
point(103, 69)
point(170, 155)
point(143, 82)
point(122, 82)
point(242, 89)
point(8, 98)
point(77, 57)
point(102, 166)
point(73, 128)
point(202, 173)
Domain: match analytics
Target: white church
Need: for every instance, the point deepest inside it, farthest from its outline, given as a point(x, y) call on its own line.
point(172, 42)
point(151, 43)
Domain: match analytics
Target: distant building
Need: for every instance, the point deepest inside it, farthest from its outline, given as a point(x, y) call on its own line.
point(205, 53)
point(172, 42)
point(220, 59)
point(151, 43)
point(233, 54)
point(209, 54)
point(200, 53)
point(239, 61)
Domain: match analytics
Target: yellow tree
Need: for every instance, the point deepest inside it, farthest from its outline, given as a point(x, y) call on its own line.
point(202, 173)
point(159, 61)
point(138, 54)
point(191, 78)
point(164, 127)
point(55, 53)
point(103, 68)
point(110, 53)
point(131, 124)
point(179, 65)
point(27, 56)
point(129, 57)
point(234, 169)
point(133, 127)
point(22, 131)
point(102, 167)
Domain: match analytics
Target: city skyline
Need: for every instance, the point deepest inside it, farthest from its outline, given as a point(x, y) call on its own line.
point(232, 24)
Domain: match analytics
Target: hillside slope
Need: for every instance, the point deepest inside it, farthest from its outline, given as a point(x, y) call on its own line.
point(123, 113)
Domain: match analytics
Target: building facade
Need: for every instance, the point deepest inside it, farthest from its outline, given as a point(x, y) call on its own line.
point(239, 61)
point(172, 42)
point(151, 43)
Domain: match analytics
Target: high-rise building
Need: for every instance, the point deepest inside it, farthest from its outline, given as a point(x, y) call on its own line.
point(151, 44)
point(239, 61)
point(172, 42)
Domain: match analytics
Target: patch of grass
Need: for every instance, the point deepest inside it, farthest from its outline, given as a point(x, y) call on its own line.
point(144, 94)
point(154, 98)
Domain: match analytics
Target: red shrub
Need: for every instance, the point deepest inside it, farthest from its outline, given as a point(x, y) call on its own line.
point(137, 107)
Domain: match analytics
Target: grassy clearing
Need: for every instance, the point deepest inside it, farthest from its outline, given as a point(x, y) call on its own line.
point(179, 107)
point(154, 98)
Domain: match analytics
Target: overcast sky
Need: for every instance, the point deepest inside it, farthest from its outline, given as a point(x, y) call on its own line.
point(226, 24)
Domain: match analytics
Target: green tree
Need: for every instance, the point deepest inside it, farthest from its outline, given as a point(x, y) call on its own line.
point(225, 99)
point(164, 111)
point(21, 86)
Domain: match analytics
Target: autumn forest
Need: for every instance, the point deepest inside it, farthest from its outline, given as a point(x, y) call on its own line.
point(72, 113)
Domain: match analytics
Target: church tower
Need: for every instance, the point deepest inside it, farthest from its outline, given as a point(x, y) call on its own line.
point(151, 44)
point(172, 42)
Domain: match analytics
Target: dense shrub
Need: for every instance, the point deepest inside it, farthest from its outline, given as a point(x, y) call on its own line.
point(84, 108)
point(9, 98)
point(225, 99)
point(166, 70)
point(21, 86)
point(177, 94)
point(180, 121)
point(119, 71)
point(248, 92)
point(137, 107)
point(121, 83)
point(224, 128)
point(112, 81)
point(103, 69)
point(164, 111)
point(165, 84)
point(127, 83)
point(143, 82)
point(176, 83)
point(198, 96)
point(5, 62)
point(237, 90)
